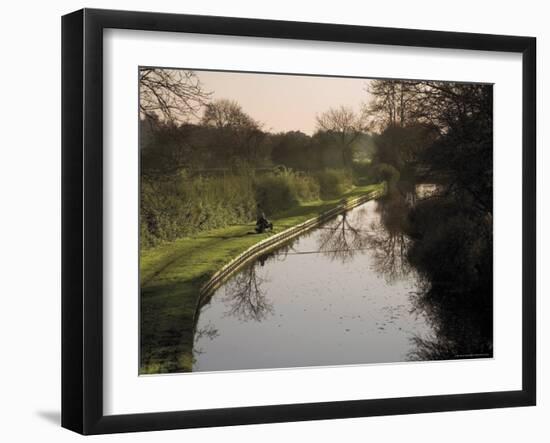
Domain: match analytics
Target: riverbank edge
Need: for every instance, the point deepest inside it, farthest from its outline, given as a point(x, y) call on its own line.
point(168, 258)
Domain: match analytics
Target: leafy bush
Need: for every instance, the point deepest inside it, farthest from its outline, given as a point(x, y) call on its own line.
point(363, 173)
point(283, 189)
point(452, 245)
point(387, 173)
point(274, 193)
point(307, 188)
point(181, 205)
point(333, 182)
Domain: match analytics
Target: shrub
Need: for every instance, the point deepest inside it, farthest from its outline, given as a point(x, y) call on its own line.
point(387, 173)
point(333, 182)
point(307, 187)
point(181, 205)
point(274, 193)
point(362, 172)
point(284, 188)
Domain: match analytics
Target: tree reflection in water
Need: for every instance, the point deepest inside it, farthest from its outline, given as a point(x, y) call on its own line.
point(244, 296)
point(443, 250)
point(462, 327)
point(387, 238)
point(452, 263)
point(208, 331)
point(451, 249)
point(340, 240)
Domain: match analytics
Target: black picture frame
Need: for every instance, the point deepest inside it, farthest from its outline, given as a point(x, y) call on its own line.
point(82, 219)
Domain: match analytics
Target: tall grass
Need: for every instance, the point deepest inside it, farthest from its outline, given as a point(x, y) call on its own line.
point(284, 189)
point(183, 205)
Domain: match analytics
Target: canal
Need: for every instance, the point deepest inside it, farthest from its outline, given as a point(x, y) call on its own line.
point(342, 293)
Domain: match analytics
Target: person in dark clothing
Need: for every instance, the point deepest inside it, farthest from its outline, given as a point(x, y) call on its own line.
point(262, 223)
point(260, 214)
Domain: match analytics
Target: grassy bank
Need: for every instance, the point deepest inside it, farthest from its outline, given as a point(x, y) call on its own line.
point(186, 204)
point(172, 274)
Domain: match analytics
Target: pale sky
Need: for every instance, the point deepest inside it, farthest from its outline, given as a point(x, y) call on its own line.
point(285, 102)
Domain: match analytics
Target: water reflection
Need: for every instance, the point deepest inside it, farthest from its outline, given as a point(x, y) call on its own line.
point(244, 296)
point(451, 249)
point(458, 332)
point(343, 238)
point(358, 289)
point(387, 238)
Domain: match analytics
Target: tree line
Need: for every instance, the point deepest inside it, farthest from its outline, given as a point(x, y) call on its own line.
point(194, 148)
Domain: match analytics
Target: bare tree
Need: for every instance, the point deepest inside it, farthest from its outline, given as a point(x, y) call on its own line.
point(391, 102)
point(173, 95)
point(439, 105)
point(345, 125)
point(449, 105)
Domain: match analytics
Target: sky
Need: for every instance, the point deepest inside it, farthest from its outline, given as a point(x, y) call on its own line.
point(285, 102)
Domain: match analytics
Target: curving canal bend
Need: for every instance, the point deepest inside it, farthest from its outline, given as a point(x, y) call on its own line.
point(342, 293)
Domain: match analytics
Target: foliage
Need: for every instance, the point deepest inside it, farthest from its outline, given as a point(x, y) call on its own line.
point(240, 135)
point(452, 249)
point(344, 127)
point(226, 114)
point(400, 146)
point(363, 172)
point(386, 173)
point(463, 157)
point(293, 149)
point(452, 245)
point(183, 205)
point(166, 148)
point(441, 133)
point(277, 192)
point(334, 182)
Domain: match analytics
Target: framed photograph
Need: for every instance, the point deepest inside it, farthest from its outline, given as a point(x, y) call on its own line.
point(269, 221)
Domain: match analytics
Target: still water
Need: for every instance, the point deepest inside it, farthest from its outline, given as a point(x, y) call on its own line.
point(340, 294)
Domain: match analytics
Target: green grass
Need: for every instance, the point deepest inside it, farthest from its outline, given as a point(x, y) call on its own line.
point(171, 276)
